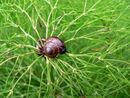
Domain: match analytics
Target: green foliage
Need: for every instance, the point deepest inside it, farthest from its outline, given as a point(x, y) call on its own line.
point(97, 36)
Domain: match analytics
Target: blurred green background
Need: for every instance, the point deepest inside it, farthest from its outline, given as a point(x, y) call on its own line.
point(97, 37)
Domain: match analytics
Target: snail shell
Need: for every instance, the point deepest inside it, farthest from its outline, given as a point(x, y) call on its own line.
point(51, 47)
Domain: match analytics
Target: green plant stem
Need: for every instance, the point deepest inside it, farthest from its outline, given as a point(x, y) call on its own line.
point(49, 86)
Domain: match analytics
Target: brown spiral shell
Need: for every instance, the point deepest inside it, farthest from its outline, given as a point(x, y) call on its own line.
point(51, 47)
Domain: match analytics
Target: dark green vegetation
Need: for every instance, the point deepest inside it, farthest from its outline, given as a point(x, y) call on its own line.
point(97, 36)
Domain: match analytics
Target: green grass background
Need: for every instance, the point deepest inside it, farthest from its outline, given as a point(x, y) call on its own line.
point(96, 34)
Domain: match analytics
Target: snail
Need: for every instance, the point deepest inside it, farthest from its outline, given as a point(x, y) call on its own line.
point(50, 47)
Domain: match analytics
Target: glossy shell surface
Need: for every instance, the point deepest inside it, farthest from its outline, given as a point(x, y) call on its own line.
point(51, 47)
